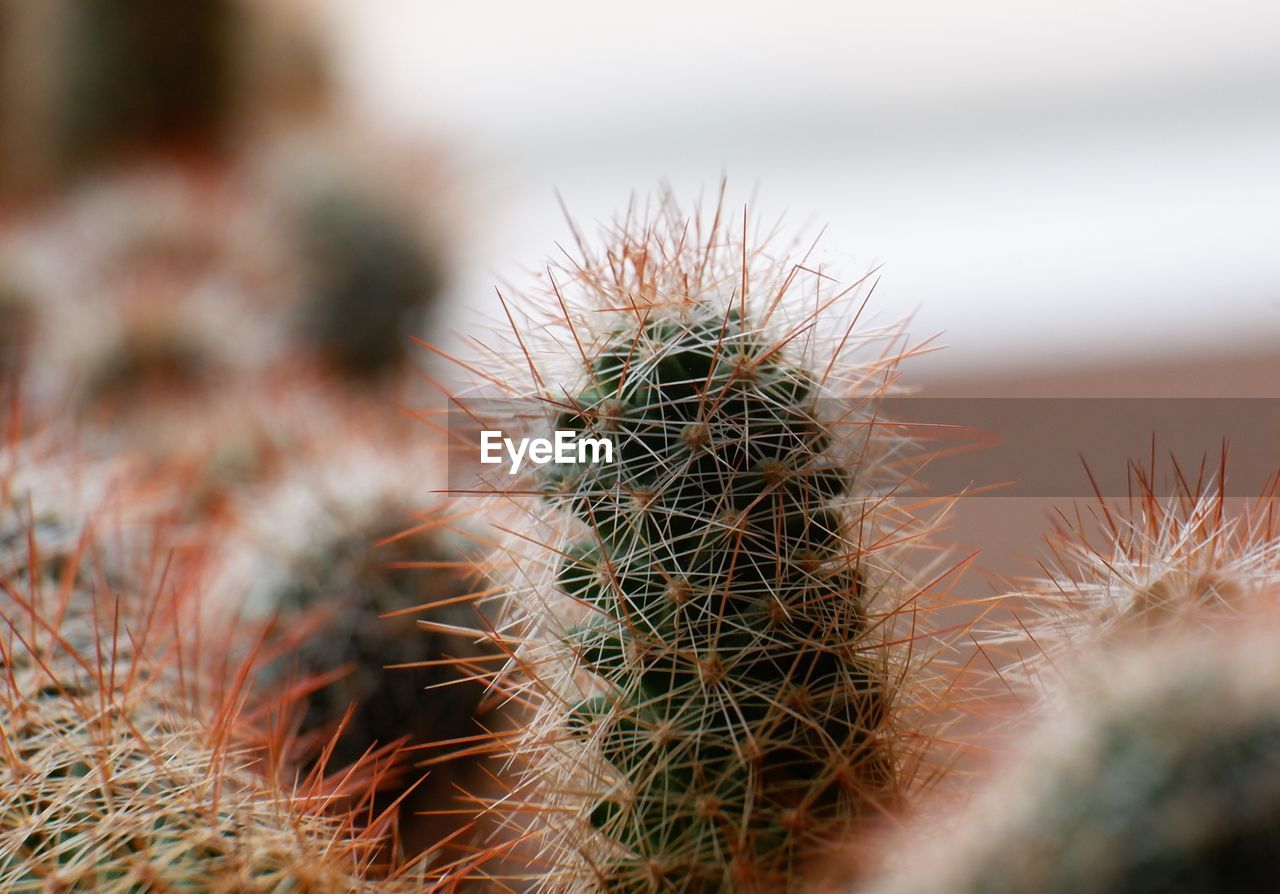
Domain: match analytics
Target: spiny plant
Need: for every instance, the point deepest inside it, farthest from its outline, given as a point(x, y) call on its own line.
point(339, 563)
point(1174, 555)
point(368, 281)
point(718, 634)
point(167, 284)
point(125, 766)
point(1161, 774)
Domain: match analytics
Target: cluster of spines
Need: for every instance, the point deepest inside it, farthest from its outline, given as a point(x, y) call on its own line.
point(1174, 556)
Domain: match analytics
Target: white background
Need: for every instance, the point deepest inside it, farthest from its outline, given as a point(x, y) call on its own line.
point(1044, 183)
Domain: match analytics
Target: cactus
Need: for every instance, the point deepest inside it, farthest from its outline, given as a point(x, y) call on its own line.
point(1148, 568)
point(719, 651)
point(1160, 774)
point(125, 764)
point(334, 558)
point(167, 285)
point(113, 784)
point(147, 362)
point(369, 281)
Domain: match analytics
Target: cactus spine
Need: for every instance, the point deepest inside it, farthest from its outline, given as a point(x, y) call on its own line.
point(717, 653)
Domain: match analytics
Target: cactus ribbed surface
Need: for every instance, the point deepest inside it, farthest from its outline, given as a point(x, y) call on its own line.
point(726, 611)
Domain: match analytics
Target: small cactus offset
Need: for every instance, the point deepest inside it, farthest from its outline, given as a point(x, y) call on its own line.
point(1160, 774)
point(721, 650)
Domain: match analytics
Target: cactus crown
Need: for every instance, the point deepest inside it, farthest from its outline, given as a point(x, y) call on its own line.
point(1148, 567)
point(717, 686)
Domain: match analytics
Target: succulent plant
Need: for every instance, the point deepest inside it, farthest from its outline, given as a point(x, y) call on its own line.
point(720, 649)
point(333, 559)
point(125, 765)
point(1166, 560)
point(368, 281)
point(156, 278)
point(1160, 774)
point(113, 783)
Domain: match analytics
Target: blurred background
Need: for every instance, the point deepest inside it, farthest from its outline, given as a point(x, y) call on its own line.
point(1080, 199)
point(1049, 185)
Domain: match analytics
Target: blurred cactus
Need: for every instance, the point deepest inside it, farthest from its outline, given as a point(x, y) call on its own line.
point(149, 361)
point(1161, 774)
point(125, 764)
point(149, 286)
point(715, 656)
point(147, 74)
point(49, 498)
point(87, 83)
point(334, 559)
point(369, 281)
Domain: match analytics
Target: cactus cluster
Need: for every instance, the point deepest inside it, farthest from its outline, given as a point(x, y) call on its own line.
point(1161, 773)
point(719, 657)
